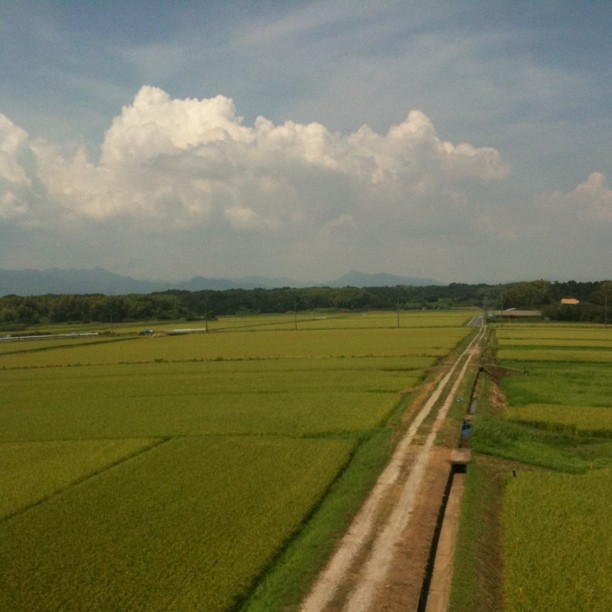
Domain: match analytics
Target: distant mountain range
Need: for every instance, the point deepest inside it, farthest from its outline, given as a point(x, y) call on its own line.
point(99, 280)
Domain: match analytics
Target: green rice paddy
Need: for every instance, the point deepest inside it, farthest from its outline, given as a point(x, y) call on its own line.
point(179, 472)
point(555, 438)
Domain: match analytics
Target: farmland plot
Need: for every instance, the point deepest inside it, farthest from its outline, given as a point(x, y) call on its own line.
point(304, 397)
point(33, 471)
point(191, 521)
point(334, 320)
point(580, 419)
point(560, 344)
point(563, 383)
point(558, 542)
point(28, 345)
point(169, 472)
point(243, 345)
point(557, 545)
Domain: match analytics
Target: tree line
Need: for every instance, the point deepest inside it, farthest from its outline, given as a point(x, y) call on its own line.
point(594, 298)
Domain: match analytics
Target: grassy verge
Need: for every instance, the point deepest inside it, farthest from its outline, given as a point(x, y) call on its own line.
point(477, 574)
point(477, 571)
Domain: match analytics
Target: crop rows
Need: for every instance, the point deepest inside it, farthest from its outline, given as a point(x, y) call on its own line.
point(191, 521)
point(248, 345)
point(152, 400)
point(29, 345)
point(169, 472)
point(557, 543)
point(539, 334)
point(31, 472)
point(579, 419)
point(539, 343)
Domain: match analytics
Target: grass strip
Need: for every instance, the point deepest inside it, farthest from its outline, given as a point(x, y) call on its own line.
point(477, 571)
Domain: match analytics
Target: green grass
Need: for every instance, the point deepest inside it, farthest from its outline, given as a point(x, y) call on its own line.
point(525, 444)
point(477, 572)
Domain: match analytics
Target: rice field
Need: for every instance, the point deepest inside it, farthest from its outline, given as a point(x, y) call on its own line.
point(169, 472)
point(185, 526)
point(30, 345)
point(584, 420)
point(557, 541)
point(243, 345)
point(571, 343)
point(543, 333)
point(32, 472)
point(553, 382)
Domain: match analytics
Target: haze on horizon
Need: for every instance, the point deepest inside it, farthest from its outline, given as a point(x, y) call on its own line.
point(466, 142)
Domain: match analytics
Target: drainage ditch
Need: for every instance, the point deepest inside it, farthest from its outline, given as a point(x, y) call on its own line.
point(426, 589)
point(438, 572)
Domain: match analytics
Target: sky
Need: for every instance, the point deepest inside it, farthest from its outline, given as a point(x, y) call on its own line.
point(459, 140)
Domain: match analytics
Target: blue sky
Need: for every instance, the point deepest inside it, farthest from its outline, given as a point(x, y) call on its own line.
point(464, 141)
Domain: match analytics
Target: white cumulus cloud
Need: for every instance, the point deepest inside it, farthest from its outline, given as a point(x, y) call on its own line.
point(187, 167)
point(592, 198)
point(12, 141)
point(184, 163)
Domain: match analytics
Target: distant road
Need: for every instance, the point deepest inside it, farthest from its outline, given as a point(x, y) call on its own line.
point(47, 337)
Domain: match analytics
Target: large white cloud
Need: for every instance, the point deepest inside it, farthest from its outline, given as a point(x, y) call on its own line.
point(12, 140)
point(188, 177)
point(591, 200)
point(190, 162)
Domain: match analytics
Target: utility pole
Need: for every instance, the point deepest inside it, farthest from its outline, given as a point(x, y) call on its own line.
point(398, 312)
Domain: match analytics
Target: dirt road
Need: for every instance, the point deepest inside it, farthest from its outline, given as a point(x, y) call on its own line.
point(380, 562)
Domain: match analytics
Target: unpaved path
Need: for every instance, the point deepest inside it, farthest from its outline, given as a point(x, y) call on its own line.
point(365, 571)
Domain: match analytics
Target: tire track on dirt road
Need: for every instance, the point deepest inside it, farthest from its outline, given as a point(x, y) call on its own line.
point(366, 552)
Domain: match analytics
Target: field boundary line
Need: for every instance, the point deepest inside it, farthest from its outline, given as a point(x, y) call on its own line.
point(85, 478)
